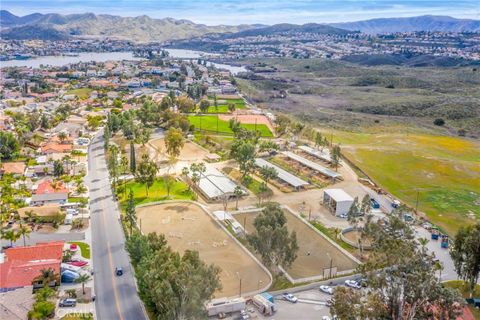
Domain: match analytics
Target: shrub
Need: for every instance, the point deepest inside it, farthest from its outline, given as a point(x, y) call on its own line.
point(439, 122)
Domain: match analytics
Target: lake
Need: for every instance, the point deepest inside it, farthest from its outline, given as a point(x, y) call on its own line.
point(58, 61)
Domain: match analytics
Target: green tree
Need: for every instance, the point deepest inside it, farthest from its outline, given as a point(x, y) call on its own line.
point(9, 145)
point(335, 156)
point(237, 192)
point(131, 215)
point(113, 163)
point(83, 278)
point(46, 277)
point(268, 173)
point(318, 139)
point(24, 232)
point(204, 105)
point(271, 239)
point(174, 141)
point(62, 136)
point(10, 235)
point(466, 254)
point(215, 102)
point(185, 104)
point(231, 107)
point(58, 170)
point(243, 151)
point(146, 172)
point(133, 160)
point(268, 146)
point(42, 310)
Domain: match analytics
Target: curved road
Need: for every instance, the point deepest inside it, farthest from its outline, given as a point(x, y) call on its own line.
point(117, 297)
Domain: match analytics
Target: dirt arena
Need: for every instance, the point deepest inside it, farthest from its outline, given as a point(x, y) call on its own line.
point(187, 226)
point(189, 152)
point(248, 118)
point(306, 265)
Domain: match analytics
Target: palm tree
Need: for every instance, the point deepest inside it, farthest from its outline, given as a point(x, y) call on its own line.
point(62, 136)
point(83, 278)
point(238, 192)
point(46, 276)
point(11, 236)
point(24, 231)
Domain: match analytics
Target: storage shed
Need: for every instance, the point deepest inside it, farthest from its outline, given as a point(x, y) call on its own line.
point(337, 201)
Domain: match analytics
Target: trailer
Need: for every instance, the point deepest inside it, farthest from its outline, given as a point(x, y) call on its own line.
point(265, 306)
point(444, 243)
point(223, 305)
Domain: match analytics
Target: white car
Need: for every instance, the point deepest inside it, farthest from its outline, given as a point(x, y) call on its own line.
point(352, 284)
point(326, 289)
point(290, 297)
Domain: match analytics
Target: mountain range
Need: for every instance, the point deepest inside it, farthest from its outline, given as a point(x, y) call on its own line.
point(421, 23)
point(53, 26)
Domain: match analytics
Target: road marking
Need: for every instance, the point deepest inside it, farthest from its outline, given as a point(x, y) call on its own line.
point(110, 259)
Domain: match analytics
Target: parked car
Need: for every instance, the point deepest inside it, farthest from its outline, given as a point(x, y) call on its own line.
point(343, 216)
point(326, 289)
point(118, 271)
point(77, 263)
point(396, 203)
point(375, 204)
point(363, 282)
point(290, 297)
point(352, 284)
point(70, 302)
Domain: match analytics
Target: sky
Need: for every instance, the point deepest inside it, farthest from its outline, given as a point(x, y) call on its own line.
point(234, 12)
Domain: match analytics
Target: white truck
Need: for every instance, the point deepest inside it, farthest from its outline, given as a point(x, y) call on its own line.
point(223, 305)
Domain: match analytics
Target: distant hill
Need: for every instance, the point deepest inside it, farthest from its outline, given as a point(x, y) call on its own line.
point(286, 28)
point(141, 28)
point(421, 23)
point(408, 61)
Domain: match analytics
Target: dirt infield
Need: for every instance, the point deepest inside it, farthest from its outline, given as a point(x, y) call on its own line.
point(312, 258)
point(248, 118)
point(189, 152)
point(187, 226)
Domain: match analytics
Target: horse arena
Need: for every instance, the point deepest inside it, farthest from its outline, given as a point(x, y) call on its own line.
point(190, 151)
point(186, 226)
point(313, 256)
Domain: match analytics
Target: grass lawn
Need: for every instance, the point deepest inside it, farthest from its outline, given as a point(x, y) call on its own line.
point(76, 199)
point(210, 123)
point(157, 192)
point(460, 285)
point(84, 248)
point(444, 170)
point(330, 232)
point(82, 93)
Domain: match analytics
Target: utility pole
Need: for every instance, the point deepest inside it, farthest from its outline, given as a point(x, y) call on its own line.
point(240, 293)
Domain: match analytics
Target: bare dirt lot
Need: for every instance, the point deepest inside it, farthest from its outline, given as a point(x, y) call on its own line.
point(249, 118)
point(189, 152)
point(187, 226)
point(312, 257)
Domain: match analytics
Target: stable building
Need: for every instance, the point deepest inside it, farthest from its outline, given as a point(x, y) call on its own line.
point(337, 201)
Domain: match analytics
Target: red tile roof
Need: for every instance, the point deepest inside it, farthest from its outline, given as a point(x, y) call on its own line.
point(47, 186)
point(23, 264)
point(13, 167)
point(56, 147)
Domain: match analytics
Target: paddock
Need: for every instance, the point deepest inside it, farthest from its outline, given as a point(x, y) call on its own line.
point(187, 226)
point(190, 152)
point(316, 252)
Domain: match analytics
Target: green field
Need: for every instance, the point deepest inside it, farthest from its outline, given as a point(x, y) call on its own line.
point(213, 124)
point(223, 105)
point(157, 192)
point(444, 170)
point(82, 93)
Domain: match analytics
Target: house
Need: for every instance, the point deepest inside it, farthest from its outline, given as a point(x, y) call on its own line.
point(55, 147)
point(15, 168)
point(21, 265)
point(47, 193)
point(337, 201)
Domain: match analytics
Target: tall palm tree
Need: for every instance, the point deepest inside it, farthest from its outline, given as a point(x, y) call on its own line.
point(11, 236)
point(83, 278)
point(24, 231)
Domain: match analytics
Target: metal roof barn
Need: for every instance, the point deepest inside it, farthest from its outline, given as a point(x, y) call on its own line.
point(214, 184)
point(282, 174)
point(312, 165)
point(316, 153)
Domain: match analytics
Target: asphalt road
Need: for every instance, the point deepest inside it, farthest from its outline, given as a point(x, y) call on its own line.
point(36, 237)
point(117, 297)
